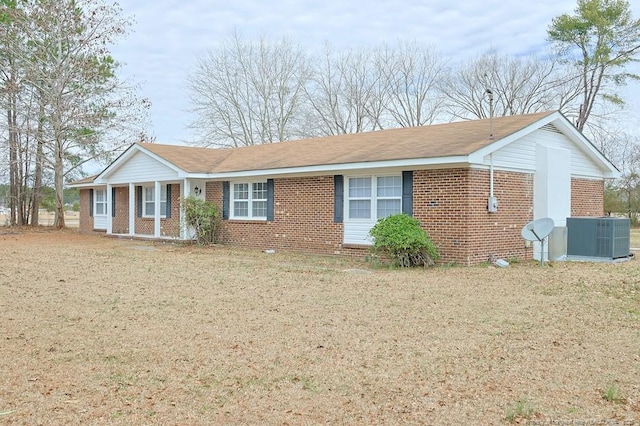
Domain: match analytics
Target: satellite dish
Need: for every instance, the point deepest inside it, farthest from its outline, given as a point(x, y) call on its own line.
point(538, 230)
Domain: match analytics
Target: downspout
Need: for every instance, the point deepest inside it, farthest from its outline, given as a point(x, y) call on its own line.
point(492, 202)
point(491, 175)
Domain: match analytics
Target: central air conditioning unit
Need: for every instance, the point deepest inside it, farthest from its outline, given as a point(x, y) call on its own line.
point(598, 237)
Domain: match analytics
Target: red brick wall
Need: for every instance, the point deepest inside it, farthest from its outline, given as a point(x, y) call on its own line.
point(451, 204)
point(303, 218)
point(169, 227)
point(452, 207)
point(86, 221)
point(587, 197)
point(120, 223)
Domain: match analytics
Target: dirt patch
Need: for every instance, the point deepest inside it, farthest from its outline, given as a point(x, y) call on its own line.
point(97, 330)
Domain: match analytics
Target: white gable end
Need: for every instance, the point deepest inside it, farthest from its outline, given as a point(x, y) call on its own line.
point(521, 154)
point(141, 168)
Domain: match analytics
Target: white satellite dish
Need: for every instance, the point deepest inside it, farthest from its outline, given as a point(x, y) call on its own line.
point(538, 230)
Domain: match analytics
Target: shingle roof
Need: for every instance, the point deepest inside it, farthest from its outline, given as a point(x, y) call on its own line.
point(88, 179)
point(440, 140)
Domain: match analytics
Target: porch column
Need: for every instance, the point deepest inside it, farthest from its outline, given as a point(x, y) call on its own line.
point(156, 209)
point(109, 209)
point(132, 209)
point(186, 190)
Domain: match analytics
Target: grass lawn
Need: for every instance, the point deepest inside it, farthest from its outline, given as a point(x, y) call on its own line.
point(98, 330)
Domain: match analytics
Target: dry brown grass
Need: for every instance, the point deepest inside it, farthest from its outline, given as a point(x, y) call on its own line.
point(105, 331)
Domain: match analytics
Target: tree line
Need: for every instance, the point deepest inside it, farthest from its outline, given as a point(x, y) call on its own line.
point(65, 105)
point(247, 92)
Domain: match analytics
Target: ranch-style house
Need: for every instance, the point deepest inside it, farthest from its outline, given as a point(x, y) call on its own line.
point(472, 185)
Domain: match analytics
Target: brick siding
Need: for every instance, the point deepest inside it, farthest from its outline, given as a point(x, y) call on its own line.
point(587, 197)
point(451, 205)
point(86, 221)
point(120, 223)
point(169, 227)
point(303, 218)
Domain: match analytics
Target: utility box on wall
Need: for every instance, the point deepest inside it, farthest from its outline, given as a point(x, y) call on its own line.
point(600, 237)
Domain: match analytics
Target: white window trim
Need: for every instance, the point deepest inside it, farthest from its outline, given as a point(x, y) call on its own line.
point(145, 201)
point(96, 202)
point(374, 197)
point(232, 200)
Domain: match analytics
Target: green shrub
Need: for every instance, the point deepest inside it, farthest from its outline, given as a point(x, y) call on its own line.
point(205, 219)
point(400, 237)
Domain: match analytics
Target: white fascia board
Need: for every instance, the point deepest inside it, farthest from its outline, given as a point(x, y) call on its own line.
point(130, 152)
point(585, 177)
point(609, 170)
point(487, 166)
point(85, 185)
point(334, 168)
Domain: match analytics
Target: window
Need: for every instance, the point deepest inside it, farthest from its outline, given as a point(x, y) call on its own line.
point(389, 193)
point(149, 201)
point(100, 202)
point(360, 198)
point(249, 200)
point(374, 197)
point(259, 199)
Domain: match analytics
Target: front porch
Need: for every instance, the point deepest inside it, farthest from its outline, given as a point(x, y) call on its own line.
point(149, 210)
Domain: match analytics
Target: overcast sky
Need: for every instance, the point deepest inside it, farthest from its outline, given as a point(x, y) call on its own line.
point(168, 36)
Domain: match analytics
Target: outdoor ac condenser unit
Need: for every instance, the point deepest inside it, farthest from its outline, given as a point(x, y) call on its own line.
point(604, 237)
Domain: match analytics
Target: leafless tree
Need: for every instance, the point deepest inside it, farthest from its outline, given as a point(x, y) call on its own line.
point(248, 92)
point(411, 74)
point(520, 85)
point(345, 94)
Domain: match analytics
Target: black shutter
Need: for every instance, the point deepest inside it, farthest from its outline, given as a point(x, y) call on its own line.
point(113, 202)
point(91, 202)
point(168, 212)
point(139, 200)
point(407, 193)
point(225, 199)
point(338, 198)
point(270, 200)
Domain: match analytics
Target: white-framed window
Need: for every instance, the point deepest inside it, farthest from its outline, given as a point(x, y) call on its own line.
point(249, 200)
point(370, 198)
point(100, 202)
point(149, 201)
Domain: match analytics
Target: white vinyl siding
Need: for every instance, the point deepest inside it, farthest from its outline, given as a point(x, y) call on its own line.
point(249, 200)
point(142, 168)
point(100, 217)
point(149, 201)
point(521, 154)
point(367, 199)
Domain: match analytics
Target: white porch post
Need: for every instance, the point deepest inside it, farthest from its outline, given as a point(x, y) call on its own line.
point(109, 209)
point(156, 218)
point(132, 209)
point(186, 190)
